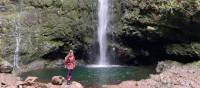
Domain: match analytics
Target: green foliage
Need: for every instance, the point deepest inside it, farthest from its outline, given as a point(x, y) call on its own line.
point(40, 3)
point(175, 27)
point(4, 2)
point(48, 26)
point(157, 11)
point(165, 16)
point(59, 25)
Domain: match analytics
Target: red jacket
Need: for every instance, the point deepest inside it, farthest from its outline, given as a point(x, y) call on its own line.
point(70, 61)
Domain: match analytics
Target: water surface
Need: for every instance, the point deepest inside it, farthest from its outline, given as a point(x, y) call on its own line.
point(92, 75)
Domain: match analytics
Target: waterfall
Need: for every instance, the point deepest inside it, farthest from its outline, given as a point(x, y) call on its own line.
point(17, 35)
point(103, 19)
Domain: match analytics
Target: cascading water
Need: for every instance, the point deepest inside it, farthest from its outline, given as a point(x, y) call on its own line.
point(103, 19)
point(17, 36)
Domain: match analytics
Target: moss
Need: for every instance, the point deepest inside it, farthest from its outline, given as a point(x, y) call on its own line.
point(40, 3)
point(0, 60)
point(47, 26)
point(157, 11)
point(50, 24)
point(192, 49)
point(196, 63)
point(4, 2)
point(58, 3)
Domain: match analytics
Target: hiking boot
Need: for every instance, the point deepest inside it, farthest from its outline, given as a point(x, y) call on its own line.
point(68, 82)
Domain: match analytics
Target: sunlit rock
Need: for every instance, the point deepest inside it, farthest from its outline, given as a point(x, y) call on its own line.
point(5, 67)
point(57, 80)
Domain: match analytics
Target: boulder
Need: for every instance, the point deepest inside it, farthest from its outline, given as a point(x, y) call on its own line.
point(166, 65)
point(5, 67)
point(50, 85)
point(125, 84)
point(21, 84)
point(73, 85)
point(7, 80)
point(76, 85)
point(31, 80)
point(128, 84)
point(57, 80)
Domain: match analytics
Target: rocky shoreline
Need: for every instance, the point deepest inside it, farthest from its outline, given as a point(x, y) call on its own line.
point(171, 74)
point(12, 81)
point(9, 78)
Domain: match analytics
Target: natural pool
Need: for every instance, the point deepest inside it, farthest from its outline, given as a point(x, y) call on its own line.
point(93, 75)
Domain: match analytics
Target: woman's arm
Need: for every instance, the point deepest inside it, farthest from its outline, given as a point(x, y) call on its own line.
point(66, 61)
point(74, 61)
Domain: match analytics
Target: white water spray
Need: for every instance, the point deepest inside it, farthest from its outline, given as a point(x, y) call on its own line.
point(103, 19)
point(17, 36)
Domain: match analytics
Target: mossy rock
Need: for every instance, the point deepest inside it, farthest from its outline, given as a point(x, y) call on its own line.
point(197, 63)
point(5, 67)
point(191, 50)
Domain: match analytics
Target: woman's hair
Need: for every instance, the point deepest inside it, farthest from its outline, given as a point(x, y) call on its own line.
point(71, 51)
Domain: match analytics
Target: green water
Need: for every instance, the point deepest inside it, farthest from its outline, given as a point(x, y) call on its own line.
point(95, 76)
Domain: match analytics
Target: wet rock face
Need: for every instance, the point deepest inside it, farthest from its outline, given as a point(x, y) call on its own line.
point(5, 67)
point(189, 51)
point(124, 54)
point(161, 28)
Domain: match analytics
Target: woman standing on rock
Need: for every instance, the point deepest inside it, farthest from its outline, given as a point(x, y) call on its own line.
point(70, 65)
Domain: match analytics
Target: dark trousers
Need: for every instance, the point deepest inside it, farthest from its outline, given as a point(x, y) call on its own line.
point(69, 74)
